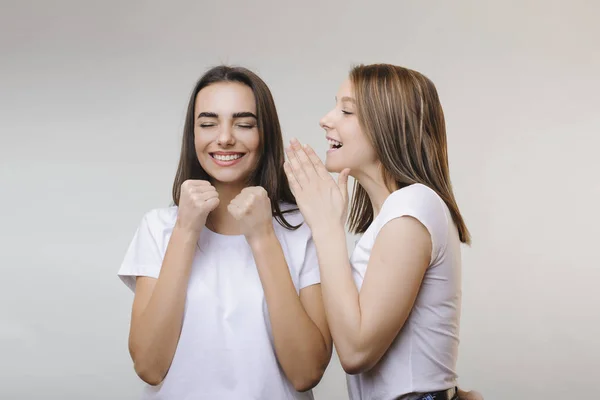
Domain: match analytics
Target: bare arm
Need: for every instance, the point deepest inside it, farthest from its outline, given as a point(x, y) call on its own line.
point(300, 331)
point(364, 324)
point(159, 304)
point(158, 310)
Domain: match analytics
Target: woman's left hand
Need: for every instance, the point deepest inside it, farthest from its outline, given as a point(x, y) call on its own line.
point(252, 209)
point(321, 200)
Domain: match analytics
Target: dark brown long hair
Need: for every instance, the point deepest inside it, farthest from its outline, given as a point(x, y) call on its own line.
point(400, 111)
point(269, 171)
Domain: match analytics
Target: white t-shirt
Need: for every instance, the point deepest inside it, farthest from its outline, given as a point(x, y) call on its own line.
point(225, 350)
point(422, 358)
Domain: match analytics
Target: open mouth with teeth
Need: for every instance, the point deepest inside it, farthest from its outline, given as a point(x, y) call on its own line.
point(334, 144)
point(226, 158)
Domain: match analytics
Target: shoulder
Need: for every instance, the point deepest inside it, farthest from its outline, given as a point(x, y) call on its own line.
point(160, 221)
point(298, 247)
point(423, 204)
point(148, 246)
point(417, 197)
point(297, 239)
point(293, 216)
point(418, 201)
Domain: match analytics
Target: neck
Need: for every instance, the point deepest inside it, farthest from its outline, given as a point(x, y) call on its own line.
point(219, 220)
point(372, 181)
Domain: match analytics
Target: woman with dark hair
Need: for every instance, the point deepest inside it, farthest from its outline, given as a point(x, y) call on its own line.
point(393, 307)
point(227, 297)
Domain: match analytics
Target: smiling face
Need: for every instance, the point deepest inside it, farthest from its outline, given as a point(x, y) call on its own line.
point(349, 147)
point(226, 135)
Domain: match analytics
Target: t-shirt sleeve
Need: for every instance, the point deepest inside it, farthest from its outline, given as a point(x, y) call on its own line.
point(309, 274)
point(425, 206)
point(143, 257)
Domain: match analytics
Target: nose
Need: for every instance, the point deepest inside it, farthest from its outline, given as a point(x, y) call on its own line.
point(225, 137)
point(326, 122)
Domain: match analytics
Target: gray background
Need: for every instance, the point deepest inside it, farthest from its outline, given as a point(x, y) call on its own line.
point(92, 100)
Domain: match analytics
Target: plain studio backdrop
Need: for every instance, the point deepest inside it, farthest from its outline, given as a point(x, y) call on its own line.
point(92, 101)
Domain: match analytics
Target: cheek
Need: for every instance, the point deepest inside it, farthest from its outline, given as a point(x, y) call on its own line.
point(359, 146)
point(252, 144)
point(254, 141)
point(364, 143)
point(367, 152)
point(200, 141)
point(353, 136)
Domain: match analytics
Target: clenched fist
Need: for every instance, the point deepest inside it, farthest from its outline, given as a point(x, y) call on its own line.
point(252, 209)
point(197, 199)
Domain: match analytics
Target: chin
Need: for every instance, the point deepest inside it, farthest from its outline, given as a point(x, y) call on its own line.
point(229, 175)
point(228, 178)
point(333, 167)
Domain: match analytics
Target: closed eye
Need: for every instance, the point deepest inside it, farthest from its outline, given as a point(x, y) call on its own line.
point(346, 112)
point(246, 126)
point(207, 125)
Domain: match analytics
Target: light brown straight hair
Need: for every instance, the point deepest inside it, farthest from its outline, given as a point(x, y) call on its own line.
point(400, 112)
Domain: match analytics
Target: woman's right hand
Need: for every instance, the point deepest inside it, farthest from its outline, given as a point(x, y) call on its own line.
point(196, 200)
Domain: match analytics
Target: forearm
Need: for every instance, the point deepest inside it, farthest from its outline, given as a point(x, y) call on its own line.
point(300, 346)
point(155, 333)
point(340, 295)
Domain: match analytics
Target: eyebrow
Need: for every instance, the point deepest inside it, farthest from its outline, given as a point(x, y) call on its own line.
point(207, 115)
point(346, 98)
point(244, 114)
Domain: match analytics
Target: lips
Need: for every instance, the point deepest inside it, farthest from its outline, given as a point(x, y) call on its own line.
point(226, 159)
point(226, 156)
point(334, 144)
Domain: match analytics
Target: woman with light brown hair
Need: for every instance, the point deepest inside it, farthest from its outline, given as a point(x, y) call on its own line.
point(393, 307)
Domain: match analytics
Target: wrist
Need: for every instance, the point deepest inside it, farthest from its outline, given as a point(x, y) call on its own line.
point(260, 239)
point(327, 230)
point(186, 233)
